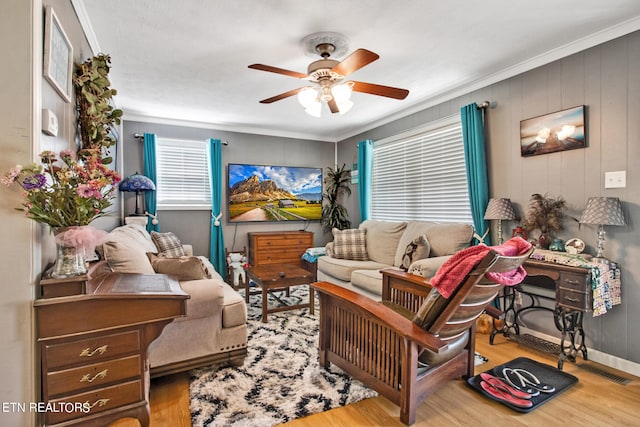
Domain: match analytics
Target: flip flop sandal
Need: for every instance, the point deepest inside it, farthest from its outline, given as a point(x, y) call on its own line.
point(525, 381)
point(504, 396)
point(500, 384)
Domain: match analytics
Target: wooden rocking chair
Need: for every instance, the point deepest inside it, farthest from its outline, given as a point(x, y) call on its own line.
point(412, 342)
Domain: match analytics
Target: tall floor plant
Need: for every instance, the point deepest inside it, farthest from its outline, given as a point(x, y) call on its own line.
point(336, 186)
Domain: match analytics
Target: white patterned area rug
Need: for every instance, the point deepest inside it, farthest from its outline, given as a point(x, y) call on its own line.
point(280, 379)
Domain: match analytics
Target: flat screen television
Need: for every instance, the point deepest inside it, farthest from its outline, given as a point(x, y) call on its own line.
point(260, 193)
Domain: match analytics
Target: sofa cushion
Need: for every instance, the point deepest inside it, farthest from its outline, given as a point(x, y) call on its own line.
point(383, 238)
point(369, 280)
point(349, 244)
point(167, 244)
point(234, 310)
point(125, 250)
point(427, 267)
point(447, 239)
point(418, 248)
point(182, 268)
point(342, 268)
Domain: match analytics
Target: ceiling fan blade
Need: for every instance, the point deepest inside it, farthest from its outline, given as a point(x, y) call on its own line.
point(277, 70)
point(281, 96)
point(355, 61)
point(380, 90)
point(333, 106)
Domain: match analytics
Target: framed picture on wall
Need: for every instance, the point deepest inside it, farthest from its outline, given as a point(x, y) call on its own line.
point(559, 131)
point(58, 55)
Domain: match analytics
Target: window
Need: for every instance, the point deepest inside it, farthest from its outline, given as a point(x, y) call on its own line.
point(421, 175)
point(182, 174)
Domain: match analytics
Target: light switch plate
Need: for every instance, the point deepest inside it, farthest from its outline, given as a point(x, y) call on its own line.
point(616, 179)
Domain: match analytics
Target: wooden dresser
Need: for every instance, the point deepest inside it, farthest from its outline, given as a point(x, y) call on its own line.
point(93, 335)
point(279, 247)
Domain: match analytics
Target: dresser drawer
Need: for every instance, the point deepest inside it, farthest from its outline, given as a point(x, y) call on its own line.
point(574, 281)
point(95, 375)
point(99, 400)
point(573, 299)
point(277, 242)
point(91, 350)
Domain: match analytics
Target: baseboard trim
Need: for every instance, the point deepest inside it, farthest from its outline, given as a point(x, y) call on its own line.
point(606, 359)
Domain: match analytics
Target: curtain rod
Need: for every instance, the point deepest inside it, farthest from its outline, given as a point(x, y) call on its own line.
point(140, 137)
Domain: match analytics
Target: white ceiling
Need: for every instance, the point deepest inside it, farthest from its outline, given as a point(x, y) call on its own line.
point(186, 60)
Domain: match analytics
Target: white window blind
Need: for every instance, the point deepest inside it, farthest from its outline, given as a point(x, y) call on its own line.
point(182, 174)
point(421, 176)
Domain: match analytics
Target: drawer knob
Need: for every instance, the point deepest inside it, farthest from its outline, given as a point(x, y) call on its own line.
point(87, 352)
point(572, 282)
point(99, 403)
point(572, 299)
point(87, 378)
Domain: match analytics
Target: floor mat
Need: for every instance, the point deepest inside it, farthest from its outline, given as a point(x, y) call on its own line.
point(546, 374)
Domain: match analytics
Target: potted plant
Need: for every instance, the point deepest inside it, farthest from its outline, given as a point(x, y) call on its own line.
point(544, 214)
point(336, 185)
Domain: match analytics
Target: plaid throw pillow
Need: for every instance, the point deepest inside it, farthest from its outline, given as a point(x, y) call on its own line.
point(168, 244)
point(349, 244)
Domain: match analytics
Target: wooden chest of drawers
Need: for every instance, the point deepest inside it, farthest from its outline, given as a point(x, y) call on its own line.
point(280, 247)
point(93, 346)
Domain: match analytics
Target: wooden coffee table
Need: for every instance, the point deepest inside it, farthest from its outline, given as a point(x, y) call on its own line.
point(273, 277)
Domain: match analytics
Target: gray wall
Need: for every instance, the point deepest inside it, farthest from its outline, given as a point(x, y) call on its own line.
point(194, 226)
point(605, 79)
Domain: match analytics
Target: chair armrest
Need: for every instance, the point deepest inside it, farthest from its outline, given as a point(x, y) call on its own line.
point(374, 310)
point(406, 289)
point(494, 312)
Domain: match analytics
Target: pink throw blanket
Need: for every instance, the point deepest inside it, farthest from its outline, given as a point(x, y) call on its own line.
point(454, 270)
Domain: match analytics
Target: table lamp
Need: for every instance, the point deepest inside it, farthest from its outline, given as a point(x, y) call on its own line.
point(499, 209)
point(137, 183)
point(602, 211)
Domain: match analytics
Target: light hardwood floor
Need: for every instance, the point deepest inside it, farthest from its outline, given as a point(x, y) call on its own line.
point(594, 401)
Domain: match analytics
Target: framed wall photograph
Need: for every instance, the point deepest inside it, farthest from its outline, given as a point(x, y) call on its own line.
point(559, 131)
point(58, 55)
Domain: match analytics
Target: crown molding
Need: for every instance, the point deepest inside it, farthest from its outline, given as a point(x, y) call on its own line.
point(87, 27)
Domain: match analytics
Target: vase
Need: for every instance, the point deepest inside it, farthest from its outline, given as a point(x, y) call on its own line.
point(69, 258)
point(544, 240)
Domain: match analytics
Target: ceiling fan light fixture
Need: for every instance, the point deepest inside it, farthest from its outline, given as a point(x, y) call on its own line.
point(307, 96)
point(344, 106)
point(315, 109)
point(341, 92)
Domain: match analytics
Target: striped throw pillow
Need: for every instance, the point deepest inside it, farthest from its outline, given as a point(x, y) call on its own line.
point(350, 244)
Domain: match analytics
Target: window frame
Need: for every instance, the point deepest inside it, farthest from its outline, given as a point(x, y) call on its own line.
point(182, 204)
point(416, 137)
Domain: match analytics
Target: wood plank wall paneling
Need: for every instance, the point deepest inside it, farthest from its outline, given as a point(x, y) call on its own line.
point(605, 78)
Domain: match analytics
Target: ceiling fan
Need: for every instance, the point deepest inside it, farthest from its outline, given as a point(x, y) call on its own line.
point(327, 76)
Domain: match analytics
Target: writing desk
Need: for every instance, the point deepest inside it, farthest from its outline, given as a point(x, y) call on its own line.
point(568, 286)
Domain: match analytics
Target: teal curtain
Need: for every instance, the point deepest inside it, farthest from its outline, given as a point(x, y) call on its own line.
point(150, 172)
point(216, 252)
point(476, 163)
point(365, 176)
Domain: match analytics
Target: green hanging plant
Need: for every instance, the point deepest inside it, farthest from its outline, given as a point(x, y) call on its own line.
point(336, 185)
point(96, 114)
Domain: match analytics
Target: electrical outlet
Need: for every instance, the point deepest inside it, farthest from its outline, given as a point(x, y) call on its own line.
point(616, 179)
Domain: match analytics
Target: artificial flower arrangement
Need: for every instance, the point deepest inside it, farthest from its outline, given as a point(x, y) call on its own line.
point(67, 194)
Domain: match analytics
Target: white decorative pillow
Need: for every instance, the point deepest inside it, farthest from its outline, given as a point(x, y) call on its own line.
point(418, 248)
point(350, 244)
point(168, 244)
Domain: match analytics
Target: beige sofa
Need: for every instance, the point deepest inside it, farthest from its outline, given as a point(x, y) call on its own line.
point(386, 244)
point(214, 330)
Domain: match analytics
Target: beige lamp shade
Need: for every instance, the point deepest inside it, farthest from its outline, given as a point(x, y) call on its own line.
point(603, 211)
point(499, 209)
